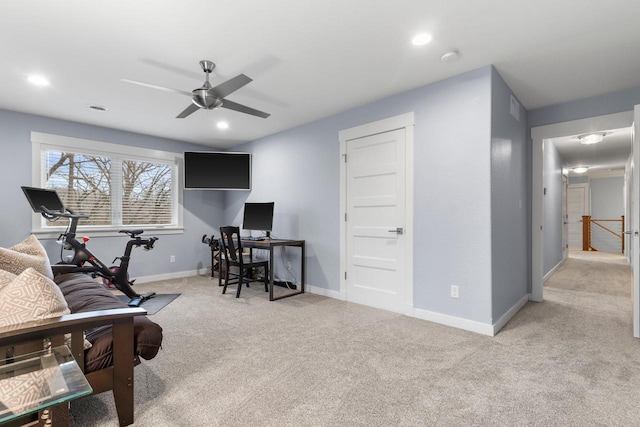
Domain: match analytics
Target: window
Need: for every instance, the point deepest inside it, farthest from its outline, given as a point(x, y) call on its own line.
point(117, 186)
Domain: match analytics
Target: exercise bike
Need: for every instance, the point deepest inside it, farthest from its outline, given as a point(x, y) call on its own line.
point(49, 205)
point(214, 245)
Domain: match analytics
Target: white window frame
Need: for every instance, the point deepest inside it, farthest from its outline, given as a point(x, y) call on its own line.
point(43, 141)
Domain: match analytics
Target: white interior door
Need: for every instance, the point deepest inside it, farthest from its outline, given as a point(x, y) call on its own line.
point(635, 221)
point(577, 205)
point(375, 202)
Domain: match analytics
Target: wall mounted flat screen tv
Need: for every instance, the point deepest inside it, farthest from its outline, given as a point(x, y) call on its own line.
point(209, 170)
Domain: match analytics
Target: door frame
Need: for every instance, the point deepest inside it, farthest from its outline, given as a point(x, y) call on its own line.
point(565, 216)
point(403, 121)
point(538, 135)
point(635, 216)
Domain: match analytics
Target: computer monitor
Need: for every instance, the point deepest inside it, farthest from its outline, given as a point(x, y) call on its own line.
point(258, 216)
point(38, 197)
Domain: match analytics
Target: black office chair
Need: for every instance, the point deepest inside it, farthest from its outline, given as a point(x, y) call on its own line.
point(233, 257)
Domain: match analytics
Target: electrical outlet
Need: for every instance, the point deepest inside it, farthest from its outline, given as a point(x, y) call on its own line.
point(172, 258)
point(288, 265)
point(455, 291)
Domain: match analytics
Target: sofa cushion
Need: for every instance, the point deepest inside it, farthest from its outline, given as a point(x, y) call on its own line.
point(30, 296)
point(28, 253)
point(83, 294)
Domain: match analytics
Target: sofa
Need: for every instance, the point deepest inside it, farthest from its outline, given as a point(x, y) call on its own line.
point(83, 294)
point(106, 337)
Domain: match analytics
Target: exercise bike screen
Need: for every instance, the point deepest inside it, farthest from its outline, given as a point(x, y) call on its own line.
point(42, 197)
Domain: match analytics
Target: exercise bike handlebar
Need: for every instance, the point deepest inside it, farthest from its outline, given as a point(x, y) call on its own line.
point(66, 213)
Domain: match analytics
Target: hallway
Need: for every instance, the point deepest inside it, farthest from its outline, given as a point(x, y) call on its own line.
point(593, 273)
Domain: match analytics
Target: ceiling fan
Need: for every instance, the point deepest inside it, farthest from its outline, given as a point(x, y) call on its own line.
point(208, 97)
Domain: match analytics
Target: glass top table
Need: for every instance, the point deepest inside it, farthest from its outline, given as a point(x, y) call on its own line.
point(39, 380)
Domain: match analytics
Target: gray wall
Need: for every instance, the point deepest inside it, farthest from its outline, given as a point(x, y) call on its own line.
point(607, 202)
point(299, 170)
point(607, 197)
point(578, 180)
point(509, 205)
point(609, 103)
point(202, 210)
point(552, 225)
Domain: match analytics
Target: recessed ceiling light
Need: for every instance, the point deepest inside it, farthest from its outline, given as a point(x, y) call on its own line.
point(580, 169)
point(421, 39)
point(223, 125)
point(38, 80)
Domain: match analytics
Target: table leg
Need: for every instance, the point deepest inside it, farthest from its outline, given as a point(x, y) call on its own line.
point(271, 273)
point(302, 263)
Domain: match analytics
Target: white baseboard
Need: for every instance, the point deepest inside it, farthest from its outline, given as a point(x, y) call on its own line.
point(169, 276)
point(553, 270)
point(456, 322)
point(324, 292)
point(510, 313)
point(443, 319)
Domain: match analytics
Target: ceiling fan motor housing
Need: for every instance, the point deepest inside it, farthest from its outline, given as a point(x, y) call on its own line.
point(204, 99)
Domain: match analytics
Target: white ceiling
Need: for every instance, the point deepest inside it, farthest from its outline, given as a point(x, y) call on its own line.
point(308, 59)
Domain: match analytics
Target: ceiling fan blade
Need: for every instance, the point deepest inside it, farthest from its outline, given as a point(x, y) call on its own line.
point(192, 108)
point(243, 109)
point(166, 89)
point(231, 85)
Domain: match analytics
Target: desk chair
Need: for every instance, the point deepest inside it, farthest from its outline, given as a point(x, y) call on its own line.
point(233, 257)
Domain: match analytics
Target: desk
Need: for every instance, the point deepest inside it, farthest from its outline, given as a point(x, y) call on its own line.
point(270, 245)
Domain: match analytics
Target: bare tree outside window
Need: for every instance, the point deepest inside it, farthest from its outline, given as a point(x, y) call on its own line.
point(146, 193)
point(85, 184)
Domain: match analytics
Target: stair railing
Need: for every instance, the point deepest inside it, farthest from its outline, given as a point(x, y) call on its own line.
point(589, 224)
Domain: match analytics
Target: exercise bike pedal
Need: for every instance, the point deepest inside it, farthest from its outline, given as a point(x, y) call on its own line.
point(135, 302)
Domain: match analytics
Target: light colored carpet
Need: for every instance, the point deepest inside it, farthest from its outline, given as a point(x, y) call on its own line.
point(316, 361)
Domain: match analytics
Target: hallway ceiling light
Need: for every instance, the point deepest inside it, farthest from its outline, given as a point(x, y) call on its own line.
point(580, 169)
point(421, 39)
point(591, 138)
point(38, 80)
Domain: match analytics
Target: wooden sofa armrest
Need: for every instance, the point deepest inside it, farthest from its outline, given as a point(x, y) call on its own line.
point(54, 329)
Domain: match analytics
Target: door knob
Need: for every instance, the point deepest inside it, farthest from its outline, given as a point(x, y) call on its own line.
point(398, 230)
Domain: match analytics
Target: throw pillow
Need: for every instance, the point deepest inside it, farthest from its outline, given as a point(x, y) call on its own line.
point(28, 253)
point(30, 296)
point(6, 278)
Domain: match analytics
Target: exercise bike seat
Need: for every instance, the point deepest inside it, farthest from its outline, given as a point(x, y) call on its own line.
point(132, 233)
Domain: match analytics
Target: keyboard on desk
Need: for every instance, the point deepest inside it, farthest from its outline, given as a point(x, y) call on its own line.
point(254, 238)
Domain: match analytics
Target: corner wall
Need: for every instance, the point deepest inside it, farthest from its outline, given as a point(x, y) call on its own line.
point(509, 204)
point(552, 228)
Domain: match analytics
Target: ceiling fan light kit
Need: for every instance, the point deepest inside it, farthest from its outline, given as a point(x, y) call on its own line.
point(210, 98)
